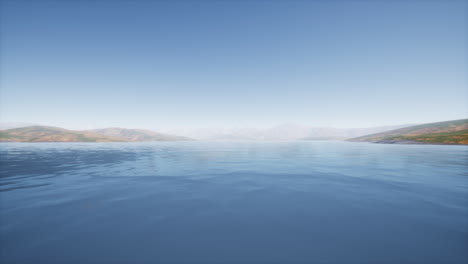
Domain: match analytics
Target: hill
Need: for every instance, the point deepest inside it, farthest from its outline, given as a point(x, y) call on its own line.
point(56, 134)
point(137, 134)
point(52, 134)
point(447, 132)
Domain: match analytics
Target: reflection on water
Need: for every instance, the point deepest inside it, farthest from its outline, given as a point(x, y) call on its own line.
point(236, 202)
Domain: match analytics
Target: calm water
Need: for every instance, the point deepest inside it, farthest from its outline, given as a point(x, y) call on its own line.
point(236, 202)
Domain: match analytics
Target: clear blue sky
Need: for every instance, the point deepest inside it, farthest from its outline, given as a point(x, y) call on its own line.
point(147, 64)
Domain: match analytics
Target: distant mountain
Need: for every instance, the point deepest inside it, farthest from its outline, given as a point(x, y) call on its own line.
point(56, 134)
point(137, 134)
point(288, 131)
point(52, 134)
point(447, 132)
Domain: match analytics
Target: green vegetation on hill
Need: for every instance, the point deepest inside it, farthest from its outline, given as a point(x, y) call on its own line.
point(447, 132)
point(455, 137)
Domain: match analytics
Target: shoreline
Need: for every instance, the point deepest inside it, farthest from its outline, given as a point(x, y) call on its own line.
point(413, 142)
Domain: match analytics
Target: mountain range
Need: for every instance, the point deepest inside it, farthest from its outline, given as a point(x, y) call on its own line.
point(447, 132)
point(288, 131)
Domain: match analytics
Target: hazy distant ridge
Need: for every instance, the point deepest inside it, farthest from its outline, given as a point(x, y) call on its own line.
point(137, 134)
point(288, 131)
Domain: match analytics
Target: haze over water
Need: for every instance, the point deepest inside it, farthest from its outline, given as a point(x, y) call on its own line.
point(233, 202)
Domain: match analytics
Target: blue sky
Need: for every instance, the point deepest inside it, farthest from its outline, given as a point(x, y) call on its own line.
point(150, 64)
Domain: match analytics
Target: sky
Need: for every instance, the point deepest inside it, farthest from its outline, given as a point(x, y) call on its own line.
point(154, 64)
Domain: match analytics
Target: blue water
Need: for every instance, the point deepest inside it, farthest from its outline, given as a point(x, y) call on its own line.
point(233, 202)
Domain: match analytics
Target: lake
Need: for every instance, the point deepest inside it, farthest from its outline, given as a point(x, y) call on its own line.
point(233, 202)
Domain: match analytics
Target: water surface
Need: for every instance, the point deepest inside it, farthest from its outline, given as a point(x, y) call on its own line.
point(233, 202)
